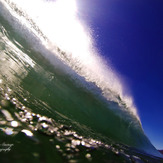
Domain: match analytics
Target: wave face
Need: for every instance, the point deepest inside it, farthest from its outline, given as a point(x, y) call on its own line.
point(54, 83)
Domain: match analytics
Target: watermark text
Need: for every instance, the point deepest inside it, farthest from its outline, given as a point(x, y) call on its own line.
point(5, 147)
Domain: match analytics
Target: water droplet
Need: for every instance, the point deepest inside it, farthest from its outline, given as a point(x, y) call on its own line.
point(14, 124)
point(75, 142)
point(9, 90)
point(68, 145)
point(42, 118)
point(7, 115)
point(88, 155)
point(44, 125)
point(82, 143)
point(28, 115)
point(9, 131)
point(27, 132)
point(13, 99)
point(57, 146)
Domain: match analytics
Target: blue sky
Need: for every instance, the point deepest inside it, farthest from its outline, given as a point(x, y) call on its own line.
point(130, 35)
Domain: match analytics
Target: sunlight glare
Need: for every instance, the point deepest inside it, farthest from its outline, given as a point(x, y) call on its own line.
point(58, 20)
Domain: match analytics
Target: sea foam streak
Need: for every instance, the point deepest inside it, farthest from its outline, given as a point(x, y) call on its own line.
point(58, 28)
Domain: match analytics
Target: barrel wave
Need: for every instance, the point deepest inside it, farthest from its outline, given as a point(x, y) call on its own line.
point(59, 100)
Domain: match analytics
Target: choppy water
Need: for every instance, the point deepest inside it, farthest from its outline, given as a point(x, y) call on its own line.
point(55, 108)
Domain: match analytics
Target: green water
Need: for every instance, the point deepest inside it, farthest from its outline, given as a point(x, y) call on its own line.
point(48, 114)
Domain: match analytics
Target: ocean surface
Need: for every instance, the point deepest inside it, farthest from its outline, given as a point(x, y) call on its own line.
point(59, 100)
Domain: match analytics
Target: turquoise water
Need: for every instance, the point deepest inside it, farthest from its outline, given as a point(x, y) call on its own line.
point(50, 112)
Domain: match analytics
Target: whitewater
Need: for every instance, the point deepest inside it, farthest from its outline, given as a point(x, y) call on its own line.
point(59, 29)
point(53, 81)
